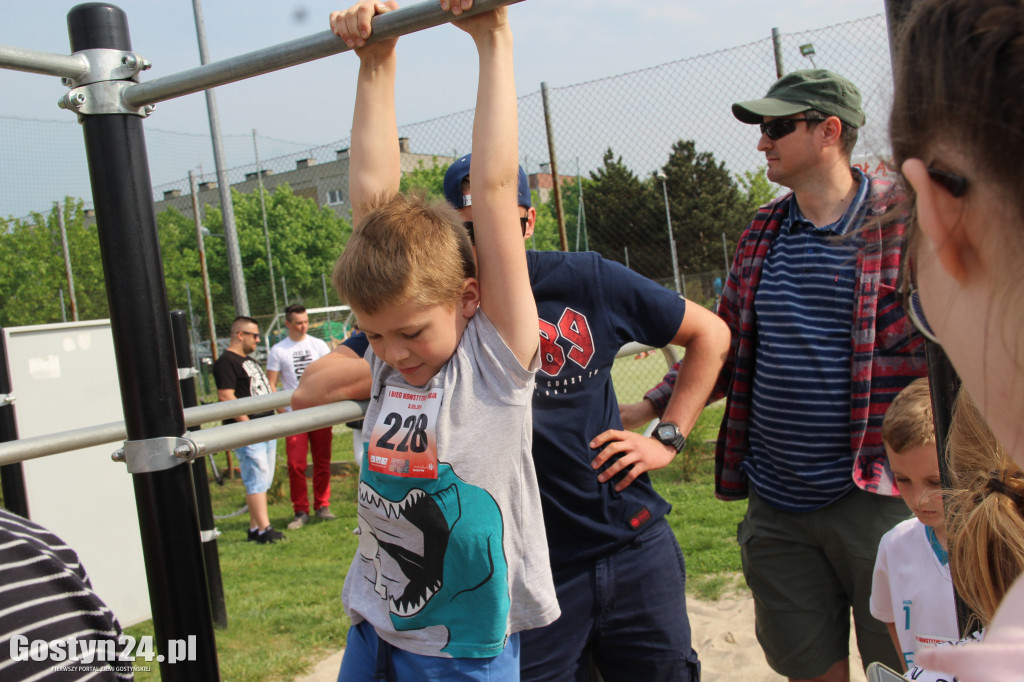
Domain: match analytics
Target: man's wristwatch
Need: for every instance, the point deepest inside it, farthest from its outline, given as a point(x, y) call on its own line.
point(668, 433)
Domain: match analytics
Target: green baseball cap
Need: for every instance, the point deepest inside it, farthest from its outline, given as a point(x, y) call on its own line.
point(799, 91)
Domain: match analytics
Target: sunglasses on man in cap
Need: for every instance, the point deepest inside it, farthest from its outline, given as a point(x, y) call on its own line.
point(778, 128)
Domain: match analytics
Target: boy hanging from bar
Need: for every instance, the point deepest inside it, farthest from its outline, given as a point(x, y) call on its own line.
point(452, 560)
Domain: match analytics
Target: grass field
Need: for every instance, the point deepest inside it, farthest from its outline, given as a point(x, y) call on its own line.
point(283, 601)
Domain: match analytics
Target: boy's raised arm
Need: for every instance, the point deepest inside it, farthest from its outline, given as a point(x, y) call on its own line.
point(505, 292)
point(374, 161)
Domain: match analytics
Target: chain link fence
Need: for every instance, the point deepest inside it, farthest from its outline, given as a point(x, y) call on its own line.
point(638, 155)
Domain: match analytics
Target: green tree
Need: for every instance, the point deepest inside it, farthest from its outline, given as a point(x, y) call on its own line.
point(305, 240)
point(547, 222)
point(32, 272)
point(545, 231)
point(705, 202)
point(622, 218)
point(426, 181)
point(179, 249)
point(757, 188)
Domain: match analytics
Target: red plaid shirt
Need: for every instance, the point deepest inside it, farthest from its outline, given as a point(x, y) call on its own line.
point(886, 352)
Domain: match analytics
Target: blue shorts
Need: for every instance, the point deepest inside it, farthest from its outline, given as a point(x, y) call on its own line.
point(623, 614)
point(257, 462)
point(368, 658)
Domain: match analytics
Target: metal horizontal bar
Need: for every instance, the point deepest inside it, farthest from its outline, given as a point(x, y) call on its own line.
point(400, 22)
point(231, 436)
point(113, 432)
point(51, 444)
point(47, 63)
point(201, 414)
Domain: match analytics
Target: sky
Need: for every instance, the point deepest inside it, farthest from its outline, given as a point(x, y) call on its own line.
point(561, 42)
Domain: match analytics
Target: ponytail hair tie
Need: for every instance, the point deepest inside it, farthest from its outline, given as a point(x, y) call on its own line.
point(996, 485)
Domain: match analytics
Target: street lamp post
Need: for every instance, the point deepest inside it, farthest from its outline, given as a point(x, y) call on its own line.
point(671, 239)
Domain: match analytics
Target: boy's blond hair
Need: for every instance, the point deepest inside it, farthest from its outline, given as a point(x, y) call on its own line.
point(984, 513)
point(908, 421)
point(404, 248)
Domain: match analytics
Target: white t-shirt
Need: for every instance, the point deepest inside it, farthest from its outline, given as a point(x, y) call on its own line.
point(921, 674)
point(1000, 656)
point(291, 358)
point(913, 589)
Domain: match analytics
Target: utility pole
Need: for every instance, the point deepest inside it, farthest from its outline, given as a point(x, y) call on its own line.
point(238, 293)
point(263, 212)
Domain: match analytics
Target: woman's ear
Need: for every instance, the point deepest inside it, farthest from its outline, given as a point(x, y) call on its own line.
point(938, 217)
point(470, 297)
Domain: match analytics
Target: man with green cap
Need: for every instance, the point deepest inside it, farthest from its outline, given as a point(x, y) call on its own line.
point(820, 346)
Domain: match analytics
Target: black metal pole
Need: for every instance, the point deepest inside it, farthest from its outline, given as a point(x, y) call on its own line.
point(12, 476)
point(945, 385)
point(943, 381)
point(130, 251)
point(200, 479)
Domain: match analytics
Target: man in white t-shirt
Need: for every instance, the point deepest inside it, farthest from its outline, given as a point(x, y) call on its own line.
point(287, 361)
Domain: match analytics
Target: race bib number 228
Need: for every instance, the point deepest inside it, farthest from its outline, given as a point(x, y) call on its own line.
point(404, 438)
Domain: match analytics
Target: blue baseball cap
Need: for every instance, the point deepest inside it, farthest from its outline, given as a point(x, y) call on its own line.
point(459, 171)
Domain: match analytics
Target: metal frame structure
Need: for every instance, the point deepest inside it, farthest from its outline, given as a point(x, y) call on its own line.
point(229, 436)
point(103, 76)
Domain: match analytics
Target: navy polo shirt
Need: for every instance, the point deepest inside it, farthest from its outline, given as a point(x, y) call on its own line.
point(800, 457)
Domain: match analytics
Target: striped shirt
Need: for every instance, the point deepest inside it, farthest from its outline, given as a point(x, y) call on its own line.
point(887, 354)
point(46, 597)
point(800, 457)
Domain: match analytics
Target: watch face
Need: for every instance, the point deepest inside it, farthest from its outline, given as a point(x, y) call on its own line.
point(666, 432)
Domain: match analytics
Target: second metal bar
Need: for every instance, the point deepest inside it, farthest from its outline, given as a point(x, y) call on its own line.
point(113, 432)
point(231, 436)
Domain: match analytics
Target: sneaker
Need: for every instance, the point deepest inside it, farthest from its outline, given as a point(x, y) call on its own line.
point(253, 534)
point(300, 520)
point(324, 514)
point(269, 536)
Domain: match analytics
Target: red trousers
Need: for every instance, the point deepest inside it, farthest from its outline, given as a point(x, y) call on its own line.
point(319, 442)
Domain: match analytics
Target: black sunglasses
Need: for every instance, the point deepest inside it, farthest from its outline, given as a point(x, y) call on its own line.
point(469, 228)
point(256, 334)
point(778, 128)
point(954, 184)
